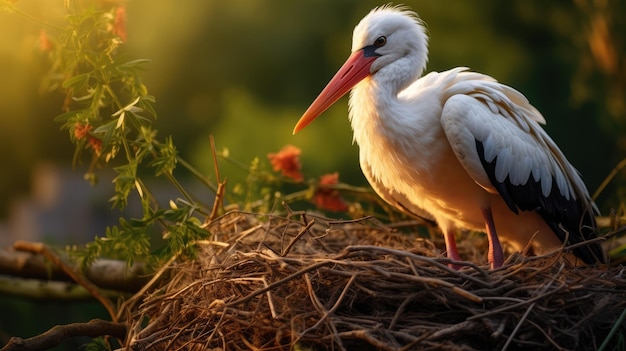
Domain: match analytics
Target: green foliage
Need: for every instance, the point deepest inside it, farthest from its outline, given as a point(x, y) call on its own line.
point(128, 241)
point(259, 181)
point(109, 116)
point(165, 160)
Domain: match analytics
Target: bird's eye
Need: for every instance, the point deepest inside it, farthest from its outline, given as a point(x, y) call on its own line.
point(380, 41)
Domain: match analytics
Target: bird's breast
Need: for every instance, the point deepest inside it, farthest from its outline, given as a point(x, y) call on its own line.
point(420, 164)
point(403, 146)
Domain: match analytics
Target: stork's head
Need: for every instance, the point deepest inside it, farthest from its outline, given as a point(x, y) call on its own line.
point(387, 35)
point(391, 33)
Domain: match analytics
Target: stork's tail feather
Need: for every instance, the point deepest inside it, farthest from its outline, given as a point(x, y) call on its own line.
point(591, 252)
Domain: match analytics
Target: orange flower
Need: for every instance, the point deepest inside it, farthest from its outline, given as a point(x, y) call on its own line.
point(96, 144)
point(44, 42)
point(119, 23)
point(287, 161)
point(81, 130)
point(327, 198)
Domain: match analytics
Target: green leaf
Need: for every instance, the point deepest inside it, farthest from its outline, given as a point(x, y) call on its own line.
point(124, 183)
point(166, 160)
point(76, 82)
point(88, 96)
point(66, 116)
point(134, 64)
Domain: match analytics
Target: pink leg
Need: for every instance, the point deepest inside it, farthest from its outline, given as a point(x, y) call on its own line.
point(452, 251)
point(495, 256)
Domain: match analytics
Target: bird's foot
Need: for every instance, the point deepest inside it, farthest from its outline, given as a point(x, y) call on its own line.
point(495, 257)
point(451, 250)
point(455, 266)
point(454, 256)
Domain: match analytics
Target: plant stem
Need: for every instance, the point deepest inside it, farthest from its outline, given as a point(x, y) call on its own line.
point(196, 173)
point(616, 326)
point(34, 19)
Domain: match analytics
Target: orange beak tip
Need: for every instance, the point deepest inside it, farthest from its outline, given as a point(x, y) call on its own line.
point(296, 129)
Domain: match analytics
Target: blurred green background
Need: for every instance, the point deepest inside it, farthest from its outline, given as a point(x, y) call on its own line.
point(245, 70)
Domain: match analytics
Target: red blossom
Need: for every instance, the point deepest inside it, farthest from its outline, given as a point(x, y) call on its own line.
point(327, 198)
point(96, 144)
point(287, 161)
point(82, 130)
point(44, 42)
point(329, 179)
point(119, 23)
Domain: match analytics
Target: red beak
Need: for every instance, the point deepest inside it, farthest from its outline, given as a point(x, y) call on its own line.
point(354, 70)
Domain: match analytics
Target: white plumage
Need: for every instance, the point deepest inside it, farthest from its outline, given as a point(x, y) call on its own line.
point(457, 146)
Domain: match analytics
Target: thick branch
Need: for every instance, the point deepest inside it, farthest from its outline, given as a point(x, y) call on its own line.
point(60, 333)
point(42, 249)
point(104, 273)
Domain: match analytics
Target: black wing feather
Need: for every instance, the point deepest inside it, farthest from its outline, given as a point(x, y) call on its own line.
point(569, 219)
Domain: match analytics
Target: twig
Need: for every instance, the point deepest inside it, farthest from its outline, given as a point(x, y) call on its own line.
point(298, 236)
point(530, 308)
point(44, 250)
point(150, 332)
point(196, 173)
point(60, 333)
point(130, 303)
point(429, 260)
point(277, 283)
point(365, 335)
point(270, 301)
point(453, 329)
point(545, 335)
point(436, 282)
point(327, 313)
point(221, 185)
point(400, 310)
point(608, 179)
point(514, 306)
point(356, 220)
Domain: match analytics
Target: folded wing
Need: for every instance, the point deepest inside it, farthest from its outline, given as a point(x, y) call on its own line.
point(496, 136)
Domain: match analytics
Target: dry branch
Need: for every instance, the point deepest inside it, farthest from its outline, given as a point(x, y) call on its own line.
point(105, 273)
point(61, 333)
point(45, 251)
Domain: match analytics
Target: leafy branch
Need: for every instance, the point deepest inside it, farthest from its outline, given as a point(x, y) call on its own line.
point(109, 114)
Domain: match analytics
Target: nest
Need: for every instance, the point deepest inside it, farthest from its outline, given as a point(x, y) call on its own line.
point(271, 283)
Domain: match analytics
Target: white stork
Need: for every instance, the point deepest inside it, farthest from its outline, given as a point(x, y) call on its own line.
point(456, 146)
